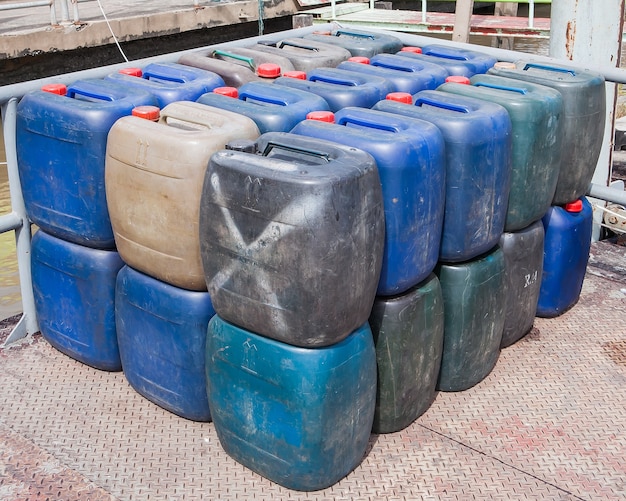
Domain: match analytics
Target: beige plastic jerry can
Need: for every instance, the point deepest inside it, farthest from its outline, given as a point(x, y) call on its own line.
point(154, 173)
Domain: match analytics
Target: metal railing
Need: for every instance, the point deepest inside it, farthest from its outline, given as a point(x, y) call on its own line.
point(10, 95)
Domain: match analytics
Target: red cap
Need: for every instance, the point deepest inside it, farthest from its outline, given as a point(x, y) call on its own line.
point(458, 79)
point(400, 97)
point(226, 91)
point(268, 70)
point(321, 116)
point(360, 59)
point(148, 112)
point(417, 50)
point(55, 88)
point(131, 72)
point(575, 206)
point(300, 75)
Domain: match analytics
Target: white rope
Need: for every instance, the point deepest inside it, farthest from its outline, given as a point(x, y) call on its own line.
point(111, 31)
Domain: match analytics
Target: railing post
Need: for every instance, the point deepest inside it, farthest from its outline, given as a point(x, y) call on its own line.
point(424, 10)
point(531, 13)
point(28, 323)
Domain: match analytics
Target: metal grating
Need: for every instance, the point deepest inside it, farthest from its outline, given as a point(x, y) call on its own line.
point(547, 423)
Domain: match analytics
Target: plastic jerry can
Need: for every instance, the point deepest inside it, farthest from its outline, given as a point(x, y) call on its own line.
point(408, 335)
point(433, 74)
point(409, 154)
point(523, 265)
point(305, 55)
point(300, 417)
point(481, 61)
point(292, 237)
point(401, 81)
point(565, 256)
point(273, 108)
point(477, 137)
point(454, 67)
point(360, 42)
point(473, 305)
point(74, 290)
point(260, 57)
point(61, 143)
point(535, 112)
point(341, 88)
point(234, 69)
point(170, 82)
point(583, 121)
point(154, 175)
point(161, 331)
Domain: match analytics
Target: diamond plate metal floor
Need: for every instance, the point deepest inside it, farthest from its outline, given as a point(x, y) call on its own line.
point(547, 423)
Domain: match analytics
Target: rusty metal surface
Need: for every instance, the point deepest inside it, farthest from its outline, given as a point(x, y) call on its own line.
point(547, 423)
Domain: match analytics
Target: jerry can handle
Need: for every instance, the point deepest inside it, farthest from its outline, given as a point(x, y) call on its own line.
point(380, 123)
point(390, 66)
point(244, 96)
point(548, 68)
point(297, 46)
point(446, 55)
point(331, 80)
point(72, 92)
point(508, 88)
point(160, 76)
point(355, 35)
point(248, 60)
point(185, 116)
point(438, 104)
point(321, 155)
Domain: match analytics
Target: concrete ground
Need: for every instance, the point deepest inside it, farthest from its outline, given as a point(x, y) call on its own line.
point(547, 423)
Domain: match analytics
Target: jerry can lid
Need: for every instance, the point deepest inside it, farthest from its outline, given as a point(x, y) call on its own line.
point(147, 112)
point(300, 75)
point(268, 70)
point(226, 91)
point(416, 50)
point(321, 116)
point(458, 79)
point(359, 59)
point(505, 65)
point(400, 97)
point(133, 72)
point(55, 88)
point(575, 206)
point(244, 145)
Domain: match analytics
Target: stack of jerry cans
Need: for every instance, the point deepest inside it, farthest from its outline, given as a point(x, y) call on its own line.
point(61, 142)
point(292, 235)
point(359, 42)
point(234, 69)
point(341, 88)
point(535, 112)
point(154, 176)
point(477, 136)
point(584, 108)
point(407, 316)
point(169, 82)
point(273, 108)
point(305, 55)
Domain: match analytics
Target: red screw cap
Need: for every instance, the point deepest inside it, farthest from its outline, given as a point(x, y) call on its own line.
point(576, 206)
point(458, 79)
point(59, 89)
point(400, 97)
point(300, 75)
point(268, 70)
point(227, 91)
point(417, 50)
point(360, 59)
point(147, 112)
point(321, 116)
point(132, 72)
